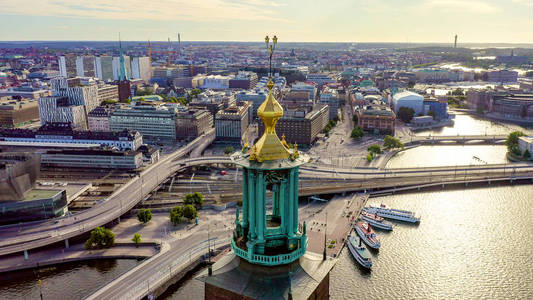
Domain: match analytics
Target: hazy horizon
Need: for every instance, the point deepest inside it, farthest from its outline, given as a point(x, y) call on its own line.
point(380, 21)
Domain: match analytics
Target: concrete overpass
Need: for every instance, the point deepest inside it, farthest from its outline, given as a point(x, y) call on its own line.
point(18, 238)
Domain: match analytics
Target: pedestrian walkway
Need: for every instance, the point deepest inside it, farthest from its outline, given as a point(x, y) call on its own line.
point(341, 213)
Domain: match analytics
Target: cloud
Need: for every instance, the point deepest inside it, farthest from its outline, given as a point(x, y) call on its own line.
point(524, 2)
point(462, 6)
point(205, 10)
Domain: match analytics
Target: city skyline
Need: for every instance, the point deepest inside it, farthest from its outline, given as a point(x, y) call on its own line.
point(416, 21)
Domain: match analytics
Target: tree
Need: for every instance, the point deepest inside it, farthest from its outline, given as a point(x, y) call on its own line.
point(512, 142)
point(458, 92)
point(432, 114)
point(190, 212)
point(144, 92)
point(195, 199)
point(144, 215)
point(100, 238)
point(391, 142)
point(228, 150)
point(357, 133)
point(196, 92)
point(529, 74)
point(175, 215)
point(369, 157)
point(355, 119)
point(406, 114)
point(527, 154)
point(136, 239)
point(375, 149)
point(108, 101)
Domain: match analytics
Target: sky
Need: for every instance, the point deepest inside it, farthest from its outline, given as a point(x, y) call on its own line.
point(475, 21)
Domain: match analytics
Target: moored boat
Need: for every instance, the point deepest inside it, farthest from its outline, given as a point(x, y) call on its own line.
point(376, 221)
point(391, 213)
point(367, 234)
point(359, 252)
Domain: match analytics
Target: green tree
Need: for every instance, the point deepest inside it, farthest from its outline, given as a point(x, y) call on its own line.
point(376, 149)
point(136, 239)
point(100, 238)
point(432, 114)
point(183, 101)
point(144, 92)
point(529, 74)
point(527, 154)
point(144, 215)
point(512, 142)
point(406, 114)
point(391, 142)
point(195, 92)
point(228, 150)
point(369, 157)
point(357, 133)
point(176, 213)
point(190, 212)
point(355, 119)
point(195, 199)
point(458, 92)
point(108, 101)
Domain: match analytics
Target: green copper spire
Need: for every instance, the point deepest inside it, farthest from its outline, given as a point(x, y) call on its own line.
point(122, 72)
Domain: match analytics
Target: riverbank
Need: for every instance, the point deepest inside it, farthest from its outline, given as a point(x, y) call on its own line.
point(76, 252)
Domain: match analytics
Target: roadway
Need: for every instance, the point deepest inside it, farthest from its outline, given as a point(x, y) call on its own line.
point(17, 238)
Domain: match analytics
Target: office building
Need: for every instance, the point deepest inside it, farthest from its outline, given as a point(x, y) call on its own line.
point(140, 69)
point(65, 134)
point(37, 204)
point(67, 66)
point(244, 80)
point(104, 68)
point(191, 123)
point(376, 119)
point(438, 107)
point(303, 86)
point(154, 123)
point(59, 109)
point(232, 123)
point(92, 158)
point(256, 97)
point(85, 66)
point(15, 112)
point(25, 91)
point(79, 91)
point(330, 97)
point(319, 79)
point(301, 127)
point(107, 92)
point(98, 119)
point(502, 76)
point(526, 143)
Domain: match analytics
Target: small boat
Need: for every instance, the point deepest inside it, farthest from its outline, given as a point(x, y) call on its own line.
point(367, 234)
point(376, 221)
point(359, 252)
point(391, 213)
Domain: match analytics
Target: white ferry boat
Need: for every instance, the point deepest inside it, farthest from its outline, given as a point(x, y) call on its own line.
point(376, 221)
point(367, 234)
point(394, 214)
point(359, 252)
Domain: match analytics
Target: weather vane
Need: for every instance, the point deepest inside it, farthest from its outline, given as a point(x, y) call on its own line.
point(271, 48)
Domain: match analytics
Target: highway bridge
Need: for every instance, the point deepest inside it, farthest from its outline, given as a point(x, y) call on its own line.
point(19, 238)
point(460, 139)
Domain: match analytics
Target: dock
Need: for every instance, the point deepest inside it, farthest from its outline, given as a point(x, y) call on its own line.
point(341, 212)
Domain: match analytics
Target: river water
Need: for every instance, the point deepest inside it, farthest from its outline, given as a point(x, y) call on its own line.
point(472, 243)
point(63, 281)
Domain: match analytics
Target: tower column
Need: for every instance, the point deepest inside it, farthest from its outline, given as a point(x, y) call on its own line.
point(251, 203)
point(295, 202)
point(245, 198)
point(260, 205)
point(290, 211)
point(282, 205)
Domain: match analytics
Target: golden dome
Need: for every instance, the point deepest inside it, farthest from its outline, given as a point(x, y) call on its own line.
point(269, 147)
